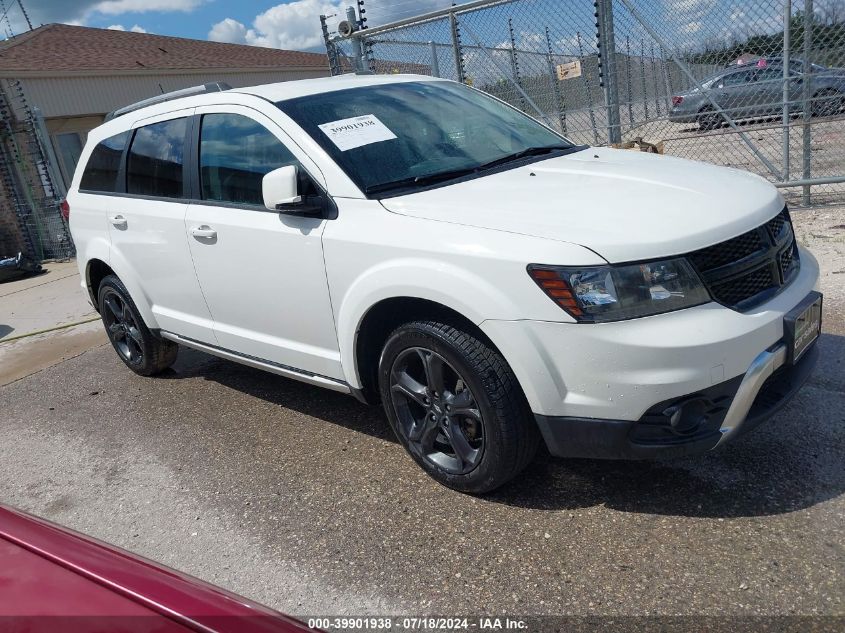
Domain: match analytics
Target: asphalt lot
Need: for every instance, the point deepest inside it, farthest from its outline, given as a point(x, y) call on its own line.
point(301, 499)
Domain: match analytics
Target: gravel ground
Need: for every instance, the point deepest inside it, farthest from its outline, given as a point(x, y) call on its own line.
point(301, 499)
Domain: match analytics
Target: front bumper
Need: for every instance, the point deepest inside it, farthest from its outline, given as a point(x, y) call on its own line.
point(605, 378)
point(733, 408)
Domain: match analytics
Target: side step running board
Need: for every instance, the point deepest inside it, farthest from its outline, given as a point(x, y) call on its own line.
point(258, 363)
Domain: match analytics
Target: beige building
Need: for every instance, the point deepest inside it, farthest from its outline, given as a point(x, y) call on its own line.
point(75, 75)
point(57, 82)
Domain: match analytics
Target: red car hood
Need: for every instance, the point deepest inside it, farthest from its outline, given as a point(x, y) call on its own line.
point(47, 572)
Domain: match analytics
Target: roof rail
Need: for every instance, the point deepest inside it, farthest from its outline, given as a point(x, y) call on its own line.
point(217, 86)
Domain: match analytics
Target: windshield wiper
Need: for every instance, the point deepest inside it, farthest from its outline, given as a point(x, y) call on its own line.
point(420, 180)
point(528, 151)
point(430, 179)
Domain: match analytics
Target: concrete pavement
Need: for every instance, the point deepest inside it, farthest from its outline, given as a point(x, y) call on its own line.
point(52, 301)
point(301, 499)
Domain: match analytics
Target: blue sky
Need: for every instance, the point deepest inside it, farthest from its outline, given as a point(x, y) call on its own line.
point(290, 24)
point(294, 24)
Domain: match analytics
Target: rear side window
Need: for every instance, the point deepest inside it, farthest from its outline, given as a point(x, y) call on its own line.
point(235, 153)
point(154, 165)
point(101, 171)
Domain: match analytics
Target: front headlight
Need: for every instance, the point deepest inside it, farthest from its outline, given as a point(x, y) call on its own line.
point(612, 293)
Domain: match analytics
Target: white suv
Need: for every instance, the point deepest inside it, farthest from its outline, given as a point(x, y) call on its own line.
point(415, 241)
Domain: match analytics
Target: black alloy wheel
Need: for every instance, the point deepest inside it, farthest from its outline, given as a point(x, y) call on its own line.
point(143, 352)
point(455, 405)
point(437, 412)
point(122, 328)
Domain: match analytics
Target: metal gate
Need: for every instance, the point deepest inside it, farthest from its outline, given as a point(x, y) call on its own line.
point(758, 86)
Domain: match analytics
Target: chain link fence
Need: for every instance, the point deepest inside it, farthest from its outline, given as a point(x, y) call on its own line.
point(754, 85)
point(30, 219)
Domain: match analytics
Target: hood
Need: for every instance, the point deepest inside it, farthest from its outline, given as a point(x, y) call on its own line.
point(624, 205)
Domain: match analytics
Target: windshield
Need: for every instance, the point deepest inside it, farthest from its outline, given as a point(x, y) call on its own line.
point(403, 135)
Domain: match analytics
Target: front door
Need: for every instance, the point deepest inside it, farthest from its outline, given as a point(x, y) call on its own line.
point(261, 272)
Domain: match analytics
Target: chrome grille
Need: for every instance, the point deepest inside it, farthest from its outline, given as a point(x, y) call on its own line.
point(746, 270)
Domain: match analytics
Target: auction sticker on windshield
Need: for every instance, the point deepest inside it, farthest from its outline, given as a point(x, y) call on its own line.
point(355, 132)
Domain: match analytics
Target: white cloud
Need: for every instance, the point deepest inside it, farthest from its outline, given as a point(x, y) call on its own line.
point(294, 25)
point(120, 27)
point(228, 30)
point(116, 7)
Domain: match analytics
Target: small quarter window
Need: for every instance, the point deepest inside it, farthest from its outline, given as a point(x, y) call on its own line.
point(235, 154)
point(154, 166)
point(101, 171)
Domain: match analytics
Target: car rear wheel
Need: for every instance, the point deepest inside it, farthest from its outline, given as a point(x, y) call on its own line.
point(709, 119)
point(137, 347)
point(827, 103)
point(456, 407)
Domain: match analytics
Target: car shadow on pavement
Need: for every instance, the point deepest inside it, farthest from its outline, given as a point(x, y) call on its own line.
point(789, 463)
point(327, 405)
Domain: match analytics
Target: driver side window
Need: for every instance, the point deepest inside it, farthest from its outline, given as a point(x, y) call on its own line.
point(234, 155)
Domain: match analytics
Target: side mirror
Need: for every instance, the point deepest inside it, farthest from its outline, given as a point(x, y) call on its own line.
point(280, 188)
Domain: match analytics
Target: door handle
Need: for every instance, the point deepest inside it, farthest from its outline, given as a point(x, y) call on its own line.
point(203, 232)
point(118, 221)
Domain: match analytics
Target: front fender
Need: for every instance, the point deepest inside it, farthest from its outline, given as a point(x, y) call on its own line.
point(461, 290)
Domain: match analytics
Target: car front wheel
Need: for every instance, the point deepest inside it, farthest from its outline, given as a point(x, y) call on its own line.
point(456, 407)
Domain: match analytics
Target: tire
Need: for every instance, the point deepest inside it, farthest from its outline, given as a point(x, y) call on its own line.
point(827, 103)
point(709, 120)
point(495, 439)
point(137, 347)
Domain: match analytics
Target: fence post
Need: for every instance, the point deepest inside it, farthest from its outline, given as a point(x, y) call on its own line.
point(607, 59)
point(456, 46)
point(644, 82)
point(628, 87)
point(787, 22)
point(52, 164)
point(331, 48)
point(435, 63)
point(807, 88)
point(664, 69)
point(561, 104)
point(654, 80)
point(587, 89)
point(515, 63)
point(357, 51)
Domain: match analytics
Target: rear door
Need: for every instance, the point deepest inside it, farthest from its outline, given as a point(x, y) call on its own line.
point(261, 272)
point(147, 225)
point(736, 94)
point(768, 88)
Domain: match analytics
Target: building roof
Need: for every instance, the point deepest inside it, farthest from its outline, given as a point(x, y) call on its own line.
point(61, 48)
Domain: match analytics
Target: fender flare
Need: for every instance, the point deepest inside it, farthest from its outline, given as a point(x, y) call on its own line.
point(472, 296)
point(99, 248)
